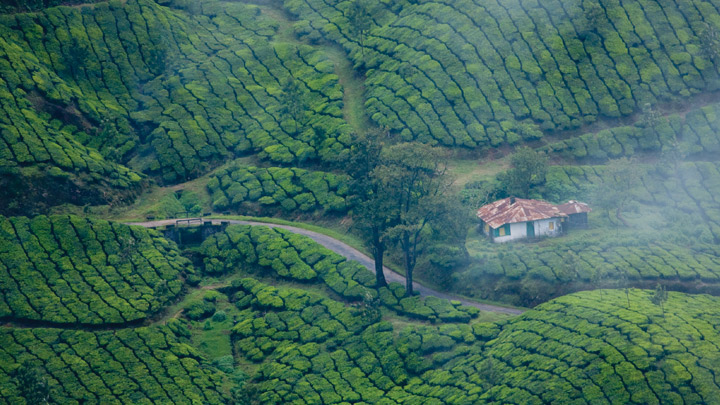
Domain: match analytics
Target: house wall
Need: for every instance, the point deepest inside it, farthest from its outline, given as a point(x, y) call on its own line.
point(542, 228)
point(517, 231)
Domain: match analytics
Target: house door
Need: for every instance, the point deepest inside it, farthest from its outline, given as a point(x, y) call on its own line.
point(530, 229)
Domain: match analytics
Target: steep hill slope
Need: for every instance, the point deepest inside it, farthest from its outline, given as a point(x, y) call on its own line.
point(167, 91)
point(485, 73)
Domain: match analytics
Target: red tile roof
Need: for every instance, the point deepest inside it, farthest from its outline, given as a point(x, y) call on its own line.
point(573, 207)
point(501, 212)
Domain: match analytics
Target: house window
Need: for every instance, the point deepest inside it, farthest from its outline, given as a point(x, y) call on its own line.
point(487, 229)
point(502, 231)
point(552, 226)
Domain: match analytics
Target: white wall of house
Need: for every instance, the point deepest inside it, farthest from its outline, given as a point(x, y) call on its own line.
point(518, 230)
point(543, 227)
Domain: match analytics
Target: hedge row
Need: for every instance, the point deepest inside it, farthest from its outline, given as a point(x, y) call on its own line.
point(316, 350)
point(31, 139)
point(66, 269)
point(695, 132)
point(188, 87)
point(470, 73)
point(603, 347)
point(291, 256)
point(144, 365)
point(291, 189)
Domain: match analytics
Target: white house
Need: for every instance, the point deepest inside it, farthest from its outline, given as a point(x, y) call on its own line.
point(517, 218)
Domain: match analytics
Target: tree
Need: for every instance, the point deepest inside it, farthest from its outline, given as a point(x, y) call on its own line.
point(659, 297)
point(293, 103)
point(360, 22)
point(77, 55)
point(615, 189)
point(370, 203)
point(591, 18)
point(31, 384)
point(412, 177)
point(529, 168)
point(710, 42)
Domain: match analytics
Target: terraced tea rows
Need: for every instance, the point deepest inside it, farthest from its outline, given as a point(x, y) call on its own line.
point(282, 254)
point(314, 349)
point(70, 270)
point(470, 73)
point(188, 88)
point(694, 133)
point(589, 347)
point(126, 366)
point(290, 189)
point(601, 346)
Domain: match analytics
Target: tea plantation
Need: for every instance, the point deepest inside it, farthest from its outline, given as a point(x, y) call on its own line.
point(122, 111)
point(88, 91)
point(676, 223)
point(288, 188)
point(72, 270)
point(143, 365)
point(476, 73)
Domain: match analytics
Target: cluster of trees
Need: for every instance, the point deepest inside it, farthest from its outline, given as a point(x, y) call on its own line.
point(65, 269)
point(124, 366)
point(401, 198)
point(460, 74)
point(695, 132)
point(291, 189)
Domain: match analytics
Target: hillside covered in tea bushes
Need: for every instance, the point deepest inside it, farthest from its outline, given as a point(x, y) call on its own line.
point(123, 122)
point(239, 338)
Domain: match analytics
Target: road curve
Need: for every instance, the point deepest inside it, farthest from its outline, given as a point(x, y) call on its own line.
point(351, 254)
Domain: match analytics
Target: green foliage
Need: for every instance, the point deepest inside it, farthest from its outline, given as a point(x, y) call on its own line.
point(127, 366)
point(265, 251)
point(64, 269)
point(468, 73)
point(692, 134)
point(274, 188)
point(578, 348)
point(85, 87)
point(528, 171)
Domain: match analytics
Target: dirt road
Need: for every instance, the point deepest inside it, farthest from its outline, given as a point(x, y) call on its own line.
point(351, 254)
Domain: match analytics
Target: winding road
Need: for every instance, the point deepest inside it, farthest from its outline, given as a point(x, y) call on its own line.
point(348, 252)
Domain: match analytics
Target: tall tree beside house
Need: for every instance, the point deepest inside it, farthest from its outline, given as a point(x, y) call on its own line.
point(371, 204)
point(413, 178)
point(528, 171)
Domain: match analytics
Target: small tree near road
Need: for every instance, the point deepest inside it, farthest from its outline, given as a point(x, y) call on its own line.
point(371, 204)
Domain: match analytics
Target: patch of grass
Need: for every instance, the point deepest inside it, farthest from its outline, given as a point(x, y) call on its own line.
point(468, 170)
